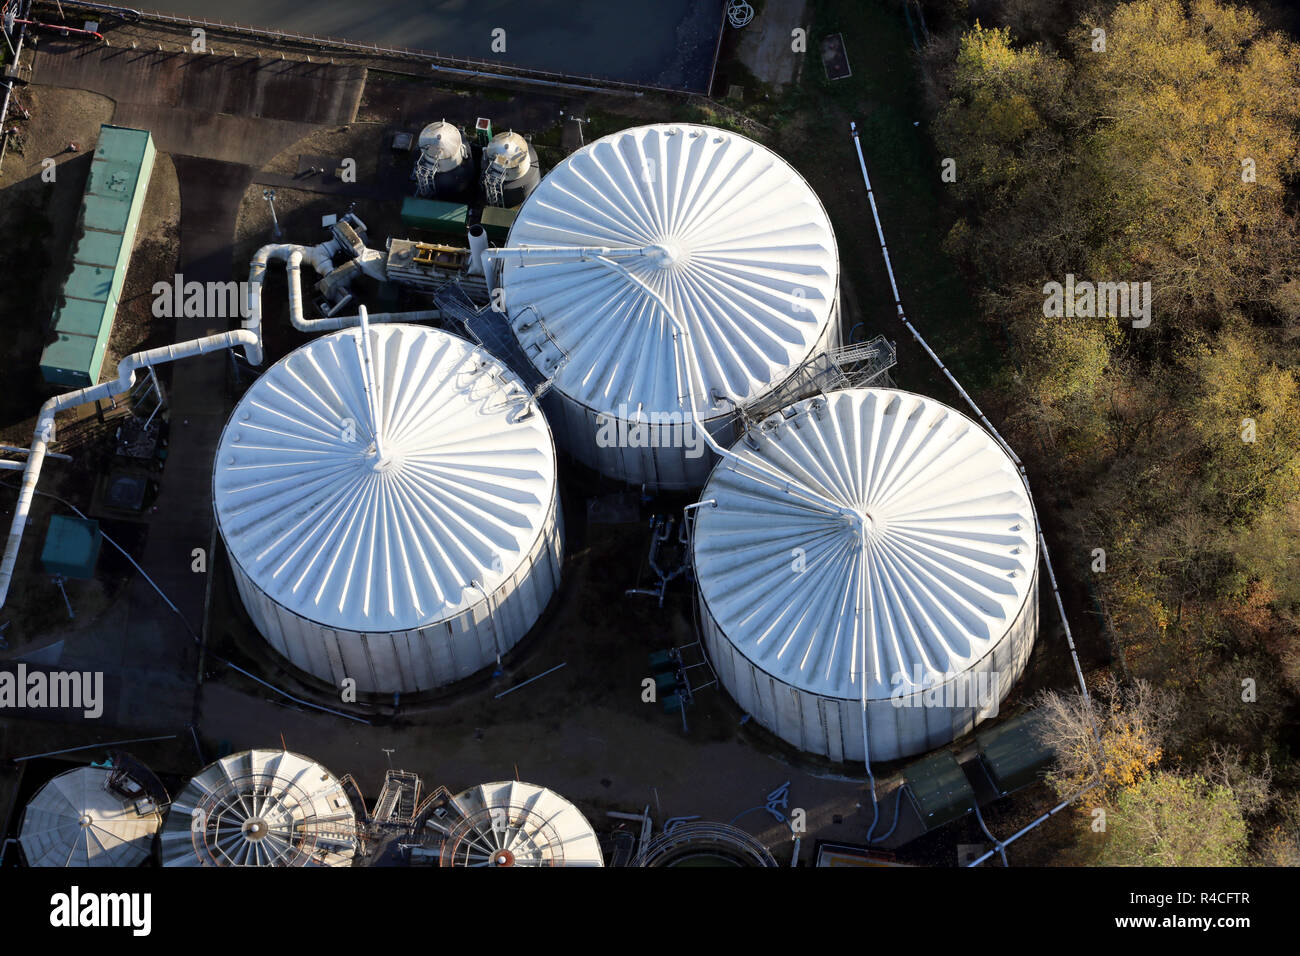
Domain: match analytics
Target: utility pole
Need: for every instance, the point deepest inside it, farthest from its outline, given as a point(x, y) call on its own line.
point(579, 121)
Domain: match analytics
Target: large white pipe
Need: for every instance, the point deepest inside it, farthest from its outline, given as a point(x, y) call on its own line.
point(478, 244)
point(321, 259)
point(686, 358)
point(44, 433)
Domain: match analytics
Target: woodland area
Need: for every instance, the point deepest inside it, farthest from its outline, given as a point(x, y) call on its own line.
point(1152, 141)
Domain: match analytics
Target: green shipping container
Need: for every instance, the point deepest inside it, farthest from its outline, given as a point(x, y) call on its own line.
point(1014, 751)
point(435, 215)
point(110, 215)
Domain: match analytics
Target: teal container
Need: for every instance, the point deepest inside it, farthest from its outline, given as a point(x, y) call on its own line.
point(434, 215)
point(110, 217)
point(71, 547)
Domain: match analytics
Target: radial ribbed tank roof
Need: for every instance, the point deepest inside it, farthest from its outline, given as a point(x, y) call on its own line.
point(510, 823)
point(950, 545)
point(388, 508)
point(261, 808)
point(736, 240)
point(74, 820)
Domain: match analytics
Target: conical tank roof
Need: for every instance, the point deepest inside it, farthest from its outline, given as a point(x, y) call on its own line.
point(510, 823)
point(389, 504)
point(509, 151)
point(261, 808)
point(441, 145)
point(75, 820)
point(916, 514)
point(732, 237)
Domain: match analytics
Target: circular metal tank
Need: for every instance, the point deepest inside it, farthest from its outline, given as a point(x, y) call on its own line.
point(705, 844)
point(724, 230)
point(905, 585)
point(77, 819)
point(509, 823)
point(261, 808)
point(402, 532)
point(444, 168)
point(512, 160)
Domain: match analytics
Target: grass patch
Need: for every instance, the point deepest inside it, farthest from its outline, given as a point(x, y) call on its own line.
point(884, 98)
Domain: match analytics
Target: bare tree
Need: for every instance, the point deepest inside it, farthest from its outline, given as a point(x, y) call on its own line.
point(1112, 744)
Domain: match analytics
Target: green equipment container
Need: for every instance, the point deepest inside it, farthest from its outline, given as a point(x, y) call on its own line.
point(1014, 752)
point(661, 661)
point(106, 230)
point(939, 789)
point(496, 222)
point(665, 683)
point(434, 215)
point(71, 547)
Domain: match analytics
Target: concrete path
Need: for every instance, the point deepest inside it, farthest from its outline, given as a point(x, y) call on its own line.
point(766, 44)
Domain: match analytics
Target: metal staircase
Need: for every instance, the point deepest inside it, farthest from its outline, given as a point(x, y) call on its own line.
point(491, 329)
point(494, 178)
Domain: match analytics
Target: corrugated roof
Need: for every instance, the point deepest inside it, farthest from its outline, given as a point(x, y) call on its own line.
point(346, 537)
point(951, 545)
point(74, 821)
point(260, 808)
point(509, 823)
point(744, 253)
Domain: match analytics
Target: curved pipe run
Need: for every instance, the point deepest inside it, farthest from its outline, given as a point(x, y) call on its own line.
point(61, 28)
point(44, 433)
point(250, 337)
point(321, 258)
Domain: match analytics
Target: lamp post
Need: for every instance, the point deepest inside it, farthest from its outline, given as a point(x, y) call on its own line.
point(269, 196)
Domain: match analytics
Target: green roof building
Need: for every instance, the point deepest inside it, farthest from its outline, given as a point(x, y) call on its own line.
point(110, 215)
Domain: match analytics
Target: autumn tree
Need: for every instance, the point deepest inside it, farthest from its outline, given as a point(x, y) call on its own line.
point(1109, 744)
point(1168, 819)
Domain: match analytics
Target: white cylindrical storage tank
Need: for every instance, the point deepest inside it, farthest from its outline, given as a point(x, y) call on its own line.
point(403, 532)
point(78, 819)
point(261, 808)
point(519, 824)
point(735, 241)
point(909, 554)
point(443, 167)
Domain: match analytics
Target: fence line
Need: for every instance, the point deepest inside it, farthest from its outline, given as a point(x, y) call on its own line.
point(438, 61)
